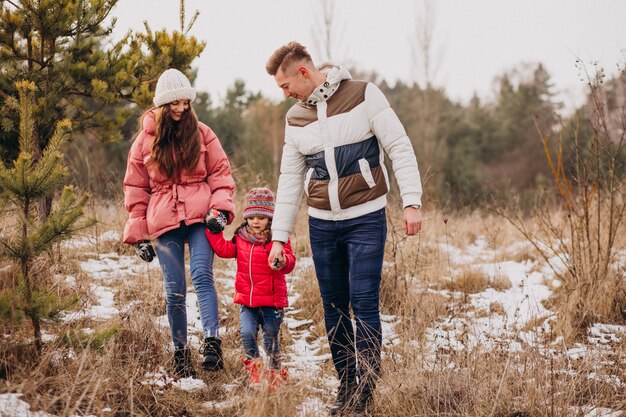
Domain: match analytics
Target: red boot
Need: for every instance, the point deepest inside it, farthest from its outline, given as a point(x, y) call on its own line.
point(275, 377)
point(254, 368)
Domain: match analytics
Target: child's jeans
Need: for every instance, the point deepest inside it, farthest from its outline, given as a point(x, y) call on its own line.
point(269, 320)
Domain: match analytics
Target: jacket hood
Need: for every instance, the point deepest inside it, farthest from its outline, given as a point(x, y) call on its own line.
point(337, 74)
point(334, 76)
point(148, 122)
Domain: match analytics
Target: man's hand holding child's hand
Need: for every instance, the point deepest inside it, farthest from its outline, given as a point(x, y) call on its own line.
point(276, 259)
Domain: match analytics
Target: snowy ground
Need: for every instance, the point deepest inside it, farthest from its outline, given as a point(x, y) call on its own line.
point(476, 328)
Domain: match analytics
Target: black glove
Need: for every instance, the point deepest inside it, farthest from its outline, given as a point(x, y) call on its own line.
point(145, 250)
point(216, 220)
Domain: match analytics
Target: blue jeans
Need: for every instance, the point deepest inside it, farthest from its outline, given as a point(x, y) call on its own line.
point(348, 258)
point(170, 248)
point(268, 319)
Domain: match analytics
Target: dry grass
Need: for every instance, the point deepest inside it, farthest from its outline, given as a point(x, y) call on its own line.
point(492, 384)
point(469, 281)
point(83, 373)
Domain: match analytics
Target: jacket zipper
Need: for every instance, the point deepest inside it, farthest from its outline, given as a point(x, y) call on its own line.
point(250, 273)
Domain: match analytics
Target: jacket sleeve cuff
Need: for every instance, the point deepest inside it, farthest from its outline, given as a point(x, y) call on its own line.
point(280, 236)
point(411, 199)
point(136, 230)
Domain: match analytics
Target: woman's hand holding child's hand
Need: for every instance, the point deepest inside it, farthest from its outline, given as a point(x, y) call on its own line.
point(216, 220)
point(145, 250)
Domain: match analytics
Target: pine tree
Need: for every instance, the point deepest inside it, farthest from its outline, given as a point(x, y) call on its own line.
point(24, 183)
point(60, 46)
point(63, 46)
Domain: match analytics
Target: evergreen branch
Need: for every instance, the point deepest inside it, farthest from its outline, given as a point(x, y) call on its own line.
point(10, 250)
point(26, 91)
point(49, 172)
point(62, 223)
point(79, 93)
point(18, 56)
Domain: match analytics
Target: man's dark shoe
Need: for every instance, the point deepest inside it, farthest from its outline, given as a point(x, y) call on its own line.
point(183, 366)
point(345, 398)
point(363, 400)
point(212, 354)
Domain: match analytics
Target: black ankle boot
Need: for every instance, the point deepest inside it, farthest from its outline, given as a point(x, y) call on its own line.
point(183, 366)
point(345, 397)
point(363, 399)
point(212, 354)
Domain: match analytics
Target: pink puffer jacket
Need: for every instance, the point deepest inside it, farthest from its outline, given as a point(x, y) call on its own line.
point(156, 205)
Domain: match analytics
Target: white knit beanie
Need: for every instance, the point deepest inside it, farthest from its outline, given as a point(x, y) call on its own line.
point(171, 86)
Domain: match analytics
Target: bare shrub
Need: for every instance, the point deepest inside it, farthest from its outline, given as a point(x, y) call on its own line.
point(470, 281)
point(580, 225)
point(500, 283)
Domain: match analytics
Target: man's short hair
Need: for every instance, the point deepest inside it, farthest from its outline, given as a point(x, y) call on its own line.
point(285, 56)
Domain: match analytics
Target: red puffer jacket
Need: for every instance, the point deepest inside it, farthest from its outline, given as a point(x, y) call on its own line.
point(256, 284)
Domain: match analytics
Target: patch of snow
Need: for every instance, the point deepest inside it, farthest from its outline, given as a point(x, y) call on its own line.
point(78, 243)
point(104, 310)
point(12, 406)
point(522, 303)
point(162, 380)
point(577, 352)
point(88, 241)
point(110, 236)
point(609, 379)
point(109, 266)
point(295, 324)
point(590, 411)
point(47, 337)
point(312, 406)
point(221, 405)
point(480, 327)
point(304, 262)
point(388, 325)
point(520, 245)
point(601, 333)
point(292, 297)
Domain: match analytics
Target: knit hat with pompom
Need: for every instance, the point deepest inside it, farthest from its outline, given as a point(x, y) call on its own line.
point(259, 202)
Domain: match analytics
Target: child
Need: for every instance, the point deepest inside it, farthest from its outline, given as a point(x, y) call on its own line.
point(260, 289)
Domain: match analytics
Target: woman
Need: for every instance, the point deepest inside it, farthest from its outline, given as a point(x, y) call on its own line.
point(177, 173)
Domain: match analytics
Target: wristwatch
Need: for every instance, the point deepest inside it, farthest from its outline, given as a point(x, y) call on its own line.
point(415, 206)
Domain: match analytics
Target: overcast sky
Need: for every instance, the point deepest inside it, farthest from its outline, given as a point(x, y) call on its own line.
point(474, 40)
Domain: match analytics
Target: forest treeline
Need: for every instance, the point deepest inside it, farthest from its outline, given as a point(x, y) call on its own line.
point(469, 153)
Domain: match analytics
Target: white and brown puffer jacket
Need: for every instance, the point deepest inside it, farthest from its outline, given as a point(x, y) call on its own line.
point(333, 152)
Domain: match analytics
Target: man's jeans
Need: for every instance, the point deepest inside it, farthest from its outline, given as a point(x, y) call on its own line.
point(268, 319)
point(348, 258)
point(170, 249)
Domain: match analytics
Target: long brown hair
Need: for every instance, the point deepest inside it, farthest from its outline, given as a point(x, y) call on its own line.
point(176, 145)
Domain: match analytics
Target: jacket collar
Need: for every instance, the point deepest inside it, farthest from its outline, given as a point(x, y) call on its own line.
point(324, 91)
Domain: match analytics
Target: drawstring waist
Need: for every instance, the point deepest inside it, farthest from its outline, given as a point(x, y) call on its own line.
point(174, 189)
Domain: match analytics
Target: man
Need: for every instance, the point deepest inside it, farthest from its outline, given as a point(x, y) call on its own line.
point(334, 141)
